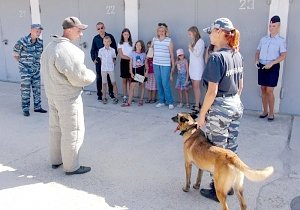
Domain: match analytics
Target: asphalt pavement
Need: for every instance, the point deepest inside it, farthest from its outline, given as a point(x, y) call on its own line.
point(136, 159)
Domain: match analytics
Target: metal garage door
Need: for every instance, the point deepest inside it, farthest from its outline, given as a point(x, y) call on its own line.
point(111, 12)
point(250, 17)
point(15, 21)
point(3, 70)
point(52, 16)
point(291, 74)
point(178, 15)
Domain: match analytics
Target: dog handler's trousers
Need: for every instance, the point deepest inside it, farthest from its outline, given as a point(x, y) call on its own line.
point(66, 124)
point(223, 120)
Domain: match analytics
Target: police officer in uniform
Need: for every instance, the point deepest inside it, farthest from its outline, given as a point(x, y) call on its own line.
point(223, 77)
point(270, 52)
point(27, 51)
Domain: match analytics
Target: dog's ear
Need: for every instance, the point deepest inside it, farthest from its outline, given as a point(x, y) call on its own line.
point(194, 115)
point(175, 119)
point(183, 119)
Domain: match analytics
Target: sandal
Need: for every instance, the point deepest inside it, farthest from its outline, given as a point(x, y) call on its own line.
point(141, 102)
point(271, 118)
point(195, 109)
point(104, 101)
point(147, 101)
point(115, 101)
point(264, 115)
point(153, 101)
point(125, 104)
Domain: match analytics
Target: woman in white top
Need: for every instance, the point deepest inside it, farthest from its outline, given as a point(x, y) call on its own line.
point(124, 51)
point(196, 67)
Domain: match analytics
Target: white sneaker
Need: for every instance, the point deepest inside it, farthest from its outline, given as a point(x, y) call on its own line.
point(171, 106)
point(159, 105)
point(124, 99)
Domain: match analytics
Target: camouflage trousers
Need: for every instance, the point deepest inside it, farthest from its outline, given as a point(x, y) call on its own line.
point(30, 79)
point(223, 121)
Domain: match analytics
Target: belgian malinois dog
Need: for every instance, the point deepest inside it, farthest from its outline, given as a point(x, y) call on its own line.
point(227, 168)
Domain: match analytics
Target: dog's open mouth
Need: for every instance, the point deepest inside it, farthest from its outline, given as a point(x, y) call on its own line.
point(175, 119)
point(177, 128)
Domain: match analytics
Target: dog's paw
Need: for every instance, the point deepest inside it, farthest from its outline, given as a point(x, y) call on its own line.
point(196, 186)
point(186, 189)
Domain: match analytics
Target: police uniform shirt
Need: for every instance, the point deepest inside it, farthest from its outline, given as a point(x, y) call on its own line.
point(29, 53)
point(270, 48)
point(224, 67)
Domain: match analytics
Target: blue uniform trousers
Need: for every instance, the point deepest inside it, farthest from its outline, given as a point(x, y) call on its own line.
point(30, 79)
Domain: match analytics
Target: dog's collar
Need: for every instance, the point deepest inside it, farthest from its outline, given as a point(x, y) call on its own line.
point(189, 128)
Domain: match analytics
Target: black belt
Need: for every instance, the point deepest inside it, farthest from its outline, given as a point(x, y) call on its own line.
point(224, 95)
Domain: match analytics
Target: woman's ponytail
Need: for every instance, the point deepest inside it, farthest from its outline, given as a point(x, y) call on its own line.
point(233, 38)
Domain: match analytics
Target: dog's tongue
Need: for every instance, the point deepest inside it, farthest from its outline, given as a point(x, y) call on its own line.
point(176, 129)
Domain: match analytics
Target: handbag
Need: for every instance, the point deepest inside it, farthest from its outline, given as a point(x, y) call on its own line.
point(139, 78)
point(150, 52)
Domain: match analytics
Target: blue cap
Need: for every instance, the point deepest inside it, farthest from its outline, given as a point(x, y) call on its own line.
point(220, 23)
point(37, 26)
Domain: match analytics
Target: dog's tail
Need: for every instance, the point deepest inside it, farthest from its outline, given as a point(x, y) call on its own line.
point(255, 175)
point(259, 174)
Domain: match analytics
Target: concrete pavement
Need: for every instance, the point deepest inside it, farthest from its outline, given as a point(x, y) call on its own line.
point(136, 159)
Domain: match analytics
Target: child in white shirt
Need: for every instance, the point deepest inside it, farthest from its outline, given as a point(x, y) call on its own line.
point(108, 61)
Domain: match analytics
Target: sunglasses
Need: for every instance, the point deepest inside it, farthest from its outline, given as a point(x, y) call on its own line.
point(98, 29)
point(163, 24)
point(213, 29)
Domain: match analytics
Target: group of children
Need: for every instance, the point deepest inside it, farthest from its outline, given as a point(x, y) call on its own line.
point(140, 72)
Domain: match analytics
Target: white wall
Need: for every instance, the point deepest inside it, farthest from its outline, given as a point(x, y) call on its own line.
point(35, 11)
point(280, 8)
point(131, 17)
